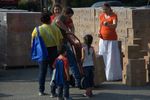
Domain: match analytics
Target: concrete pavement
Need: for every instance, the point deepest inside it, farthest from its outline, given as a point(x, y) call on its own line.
point(21, 84)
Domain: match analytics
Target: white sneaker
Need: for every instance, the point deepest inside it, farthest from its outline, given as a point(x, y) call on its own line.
point(85, 95)
point(41, 93)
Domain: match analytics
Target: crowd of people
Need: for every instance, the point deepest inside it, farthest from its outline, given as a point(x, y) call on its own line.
point(62, 61)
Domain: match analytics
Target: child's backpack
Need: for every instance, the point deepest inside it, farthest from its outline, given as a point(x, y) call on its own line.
point(59, 74)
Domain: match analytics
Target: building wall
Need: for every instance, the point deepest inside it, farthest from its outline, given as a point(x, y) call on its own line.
point(133, 31)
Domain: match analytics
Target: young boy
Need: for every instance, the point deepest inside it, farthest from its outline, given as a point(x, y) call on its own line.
point(62, 76)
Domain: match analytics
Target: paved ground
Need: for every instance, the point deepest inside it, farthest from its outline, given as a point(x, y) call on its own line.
point(21, 84)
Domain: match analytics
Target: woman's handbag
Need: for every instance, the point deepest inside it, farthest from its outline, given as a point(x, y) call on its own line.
point(38, 51)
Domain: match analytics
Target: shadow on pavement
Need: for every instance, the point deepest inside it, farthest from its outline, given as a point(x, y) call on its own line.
point(20, 75)
point(121, 86)
point(5, 95)
point(25, 81)
point(117, 96)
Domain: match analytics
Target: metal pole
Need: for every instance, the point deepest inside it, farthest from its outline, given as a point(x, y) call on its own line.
point(44, 5)
point(148, 2)
point(41, 4)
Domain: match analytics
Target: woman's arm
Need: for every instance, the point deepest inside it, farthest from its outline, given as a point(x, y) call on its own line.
point(72, 28)
point(82, 59)
point(100, 25)
point(66, 68)
point(94, 57)
point(114, 25)
point(82, 55)
point(34, 33)
point(61, 25)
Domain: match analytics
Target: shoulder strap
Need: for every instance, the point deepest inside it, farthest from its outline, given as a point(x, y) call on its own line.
point(38, 32)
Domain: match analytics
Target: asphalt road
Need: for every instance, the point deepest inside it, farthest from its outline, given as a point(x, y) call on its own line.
point(21, 84)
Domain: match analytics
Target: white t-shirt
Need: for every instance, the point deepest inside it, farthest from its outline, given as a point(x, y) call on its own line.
point(88, 60)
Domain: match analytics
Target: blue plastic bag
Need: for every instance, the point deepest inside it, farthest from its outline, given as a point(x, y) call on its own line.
point(59, 74)
point(38, 51)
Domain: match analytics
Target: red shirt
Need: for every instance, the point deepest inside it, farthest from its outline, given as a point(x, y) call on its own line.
point(52, 17)
point(66, 65)
point(106, 32)
point(69, 22)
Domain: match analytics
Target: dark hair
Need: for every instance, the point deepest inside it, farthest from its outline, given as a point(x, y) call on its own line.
point(45, 18)
point(68, 11)
point(56, 5)
point(63, 49)
point(107, 6)
point(88, 39)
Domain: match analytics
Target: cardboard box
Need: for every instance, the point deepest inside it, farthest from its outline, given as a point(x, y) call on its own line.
point(99, 72)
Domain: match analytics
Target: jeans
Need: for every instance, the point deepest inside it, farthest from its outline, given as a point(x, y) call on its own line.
point(73, 66)
point(43, 67)
point(89, 75)
point(63, 91)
